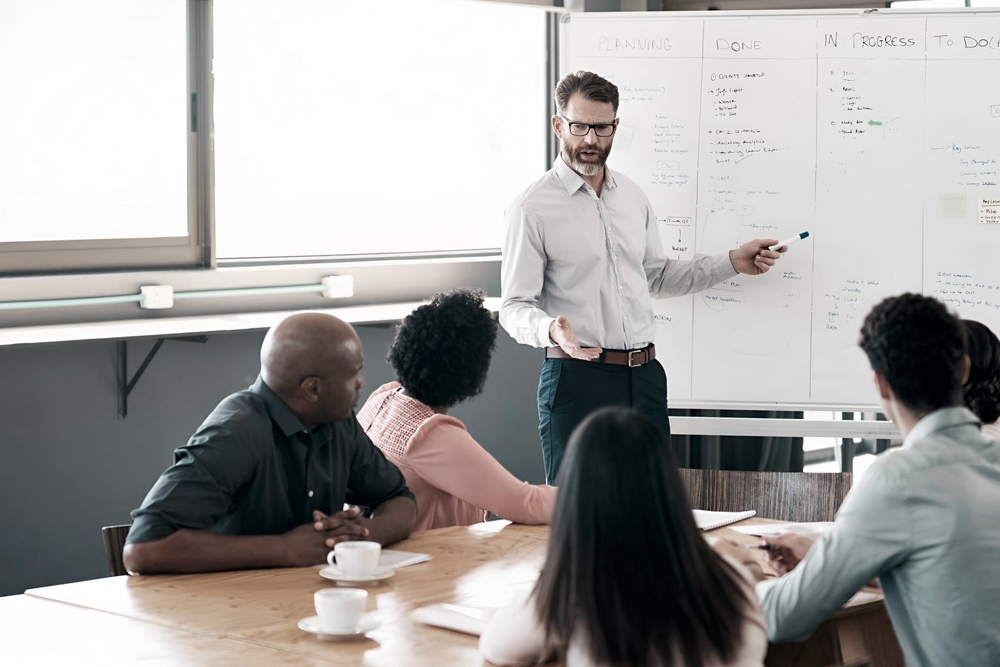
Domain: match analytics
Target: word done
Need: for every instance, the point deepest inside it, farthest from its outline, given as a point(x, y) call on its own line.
point(726, 45)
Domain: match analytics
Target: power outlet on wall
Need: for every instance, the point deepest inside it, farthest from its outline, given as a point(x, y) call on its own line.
point(156, 296)
point(338, 287)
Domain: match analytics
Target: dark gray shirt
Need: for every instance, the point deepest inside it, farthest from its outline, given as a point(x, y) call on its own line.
point(252, 469)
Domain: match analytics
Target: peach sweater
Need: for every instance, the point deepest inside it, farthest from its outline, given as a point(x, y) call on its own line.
point(454, 479)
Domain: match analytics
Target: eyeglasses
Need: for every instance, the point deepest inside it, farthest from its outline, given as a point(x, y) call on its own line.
point(583, 129)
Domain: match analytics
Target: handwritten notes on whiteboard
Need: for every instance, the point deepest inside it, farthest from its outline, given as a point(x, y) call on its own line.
point(879, 133)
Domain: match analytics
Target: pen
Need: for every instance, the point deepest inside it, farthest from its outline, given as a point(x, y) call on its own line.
point(765, 547)
point(790, 240)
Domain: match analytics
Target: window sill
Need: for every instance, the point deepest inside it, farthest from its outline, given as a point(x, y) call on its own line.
point(207, 324)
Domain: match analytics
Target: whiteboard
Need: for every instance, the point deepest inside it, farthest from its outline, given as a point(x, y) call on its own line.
point(876, 131)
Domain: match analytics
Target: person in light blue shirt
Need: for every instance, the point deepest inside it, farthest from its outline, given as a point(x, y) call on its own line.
point(925, 519)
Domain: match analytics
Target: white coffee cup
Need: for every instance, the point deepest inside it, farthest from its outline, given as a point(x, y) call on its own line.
point(340, 609)
point(355, 558)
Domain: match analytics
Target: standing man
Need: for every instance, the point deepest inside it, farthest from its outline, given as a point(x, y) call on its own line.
point(925, 519)
point(263, 482)
point(581, 259)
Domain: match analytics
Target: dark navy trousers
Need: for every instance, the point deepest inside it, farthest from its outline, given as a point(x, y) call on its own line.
point(570, 389)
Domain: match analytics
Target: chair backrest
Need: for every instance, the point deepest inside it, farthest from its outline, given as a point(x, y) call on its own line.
point(785, 496)
point(114, 543)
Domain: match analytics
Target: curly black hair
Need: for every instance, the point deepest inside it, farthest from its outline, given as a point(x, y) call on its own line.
point(442, 349)
point(982, 389)
point(918, 346)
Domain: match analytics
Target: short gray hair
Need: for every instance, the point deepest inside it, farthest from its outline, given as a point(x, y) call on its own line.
point(592, 86)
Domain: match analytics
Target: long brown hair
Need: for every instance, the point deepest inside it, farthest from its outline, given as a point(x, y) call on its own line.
point(628, 571)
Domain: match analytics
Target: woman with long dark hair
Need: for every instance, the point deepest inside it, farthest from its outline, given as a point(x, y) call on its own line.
point(982, 390)
point(629, 581)
point(441, 354)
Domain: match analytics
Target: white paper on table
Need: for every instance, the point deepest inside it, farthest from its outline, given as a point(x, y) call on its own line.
point(394, 559)
point(470, 620)
point(809, 529)
point(709, 520)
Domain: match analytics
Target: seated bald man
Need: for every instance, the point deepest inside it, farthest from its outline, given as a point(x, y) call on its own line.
point(263, 482)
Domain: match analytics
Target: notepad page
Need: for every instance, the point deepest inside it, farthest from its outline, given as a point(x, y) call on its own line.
point(395, 559)
point(470, 620)
point(707, 520)
point(809, 529)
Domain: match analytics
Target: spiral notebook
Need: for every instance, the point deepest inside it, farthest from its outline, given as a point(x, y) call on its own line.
point(707, 520)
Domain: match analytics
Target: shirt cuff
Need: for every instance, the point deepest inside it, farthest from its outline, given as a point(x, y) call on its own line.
point(724, 267)
point(543, 331)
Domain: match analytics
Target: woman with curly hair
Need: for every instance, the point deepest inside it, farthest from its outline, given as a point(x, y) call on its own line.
point(629, 581)
point(982, 389)
point(441, 354)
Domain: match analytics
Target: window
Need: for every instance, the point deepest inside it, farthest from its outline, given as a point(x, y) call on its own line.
point(93, 133)
point(355, 128)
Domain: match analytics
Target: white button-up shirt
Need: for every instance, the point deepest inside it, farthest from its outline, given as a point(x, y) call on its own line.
point(926, 520)
point(594, 259)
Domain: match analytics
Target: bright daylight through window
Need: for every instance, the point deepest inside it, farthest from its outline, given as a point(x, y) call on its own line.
point(93, 126)
point(347, 128)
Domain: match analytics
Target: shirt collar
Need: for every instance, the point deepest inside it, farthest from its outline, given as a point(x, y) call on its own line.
point(572, 181)
point(939, 420)
point(280, 414)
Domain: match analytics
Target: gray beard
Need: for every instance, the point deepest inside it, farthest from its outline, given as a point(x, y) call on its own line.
point(583, 168)
point(587, 168)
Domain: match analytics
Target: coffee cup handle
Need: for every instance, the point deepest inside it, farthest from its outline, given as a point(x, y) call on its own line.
point(331, 558)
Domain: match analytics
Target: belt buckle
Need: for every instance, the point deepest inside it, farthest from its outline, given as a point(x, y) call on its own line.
point(630, 364)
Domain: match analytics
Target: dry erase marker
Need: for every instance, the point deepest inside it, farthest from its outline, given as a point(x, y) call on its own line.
point(790, 240)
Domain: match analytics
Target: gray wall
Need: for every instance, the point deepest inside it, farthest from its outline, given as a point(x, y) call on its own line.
point(70, 466)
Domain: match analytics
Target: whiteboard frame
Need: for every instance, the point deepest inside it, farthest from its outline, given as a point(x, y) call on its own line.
point(801, 428)
point(733, 426)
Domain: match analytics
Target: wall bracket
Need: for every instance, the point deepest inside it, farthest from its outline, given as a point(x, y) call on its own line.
point(125, 386)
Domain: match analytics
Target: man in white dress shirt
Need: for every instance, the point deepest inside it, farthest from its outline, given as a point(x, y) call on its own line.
point(581, 259)
point(925, 519)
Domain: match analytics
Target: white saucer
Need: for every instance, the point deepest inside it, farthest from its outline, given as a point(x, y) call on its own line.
point(332, 573)
point(311, 624)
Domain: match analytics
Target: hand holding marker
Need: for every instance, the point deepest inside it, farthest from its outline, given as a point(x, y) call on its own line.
point(790, 240)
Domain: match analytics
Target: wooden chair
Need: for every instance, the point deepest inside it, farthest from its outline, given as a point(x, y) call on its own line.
point(785, 496)
point(114, 543)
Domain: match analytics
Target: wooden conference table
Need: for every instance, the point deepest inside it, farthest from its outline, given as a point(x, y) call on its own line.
point(250, 617)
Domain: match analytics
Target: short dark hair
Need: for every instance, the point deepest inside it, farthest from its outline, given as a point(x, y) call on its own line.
point(668, 595)
point(982, 389)
point(918, 346)
point(442, 349)
point(592, 86)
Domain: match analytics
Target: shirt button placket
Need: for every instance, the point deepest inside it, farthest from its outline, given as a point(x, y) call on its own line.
point(602, 211)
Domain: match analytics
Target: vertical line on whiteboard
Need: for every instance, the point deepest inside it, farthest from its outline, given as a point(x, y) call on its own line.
point(812, 249)
point(697, 192)
point(924, 156)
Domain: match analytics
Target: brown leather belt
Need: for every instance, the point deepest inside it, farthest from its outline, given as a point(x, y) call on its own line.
point(630, 358)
